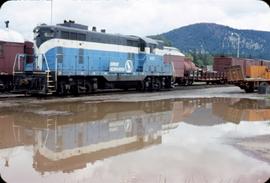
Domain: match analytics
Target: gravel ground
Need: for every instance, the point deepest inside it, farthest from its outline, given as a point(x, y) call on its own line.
point(195, 92)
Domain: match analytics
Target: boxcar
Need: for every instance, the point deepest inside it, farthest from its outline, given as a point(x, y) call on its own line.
point(11, 44)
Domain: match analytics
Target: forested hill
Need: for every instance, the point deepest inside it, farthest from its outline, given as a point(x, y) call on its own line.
point(218, 39)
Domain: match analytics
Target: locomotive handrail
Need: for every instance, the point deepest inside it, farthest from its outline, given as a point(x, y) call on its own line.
point(16, 61)
point(46, 62)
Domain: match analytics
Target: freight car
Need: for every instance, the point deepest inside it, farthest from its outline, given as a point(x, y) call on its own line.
point(221, 63)
point(11, 44)
point(183, 67)
point(71, 59)
point(255, 78)
point(185, 72)
point(248, 74)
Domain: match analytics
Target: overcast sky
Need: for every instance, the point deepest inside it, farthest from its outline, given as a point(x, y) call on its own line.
point(137, 17)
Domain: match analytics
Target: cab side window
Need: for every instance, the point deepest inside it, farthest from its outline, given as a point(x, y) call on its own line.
point(65, 35)
point(151, 49)
point(142, 47)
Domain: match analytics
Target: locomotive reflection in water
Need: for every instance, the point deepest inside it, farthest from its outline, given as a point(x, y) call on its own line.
point(68, 137)
point(88, 132)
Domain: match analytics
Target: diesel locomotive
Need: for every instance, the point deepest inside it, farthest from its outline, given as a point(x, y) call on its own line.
point(70, 59)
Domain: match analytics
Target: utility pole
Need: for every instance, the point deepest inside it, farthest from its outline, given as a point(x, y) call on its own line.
point(238, 46)
point(238, 43)
point(51, 11)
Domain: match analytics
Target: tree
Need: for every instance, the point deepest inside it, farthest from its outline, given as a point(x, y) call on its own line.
point(200, 59)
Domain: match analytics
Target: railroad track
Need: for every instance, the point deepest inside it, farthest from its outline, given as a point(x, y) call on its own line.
point(6, 96)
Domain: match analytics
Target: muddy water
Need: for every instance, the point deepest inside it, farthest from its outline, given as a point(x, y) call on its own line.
point(190, 140)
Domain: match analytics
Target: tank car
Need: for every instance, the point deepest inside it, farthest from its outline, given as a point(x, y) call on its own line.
point(11, 44)
point(69, 58)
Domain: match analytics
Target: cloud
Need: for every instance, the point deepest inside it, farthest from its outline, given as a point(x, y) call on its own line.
point(137, 17)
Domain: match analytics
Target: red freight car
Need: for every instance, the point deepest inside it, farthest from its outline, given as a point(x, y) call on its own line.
point(11, 44)
point(221, 63)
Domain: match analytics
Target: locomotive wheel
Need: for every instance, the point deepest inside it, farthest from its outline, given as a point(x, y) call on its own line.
point(88, 87)
point(157, 84)
point(148, 84)
point(94, 84)
point(81, 87)
point(62, 88)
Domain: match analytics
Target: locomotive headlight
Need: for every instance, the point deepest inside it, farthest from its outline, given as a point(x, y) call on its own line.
point(36, 33)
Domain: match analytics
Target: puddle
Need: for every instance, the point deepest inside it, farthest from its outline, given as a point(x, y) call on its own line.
point(187, 140)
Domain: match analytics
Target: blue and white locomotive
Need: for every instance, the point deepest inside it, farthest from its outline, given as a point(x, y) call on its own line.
point(71, 59)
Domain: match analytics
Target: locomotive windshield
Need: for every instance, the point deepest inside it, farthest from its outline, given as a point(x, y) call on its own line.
point(49, 34)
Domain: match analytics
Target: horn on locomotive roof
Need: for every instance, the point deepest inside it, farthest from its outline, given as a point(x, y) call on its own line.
point(70, 21)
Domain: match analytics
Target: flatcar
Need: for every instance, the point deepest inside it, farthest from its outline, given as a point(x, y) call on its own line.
point(11, 44)
point(69, 58)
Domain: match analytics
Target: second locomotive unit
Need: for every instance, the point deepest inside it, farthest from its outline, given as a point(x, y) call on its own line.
point(71, 59)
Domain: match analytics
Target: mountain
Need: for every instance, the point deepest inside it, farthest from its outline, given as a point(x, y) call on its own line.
point(218, 39)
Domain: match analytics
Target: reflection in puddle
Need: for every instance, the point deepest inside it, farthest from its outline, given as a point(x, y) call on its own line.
point(155, 141)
